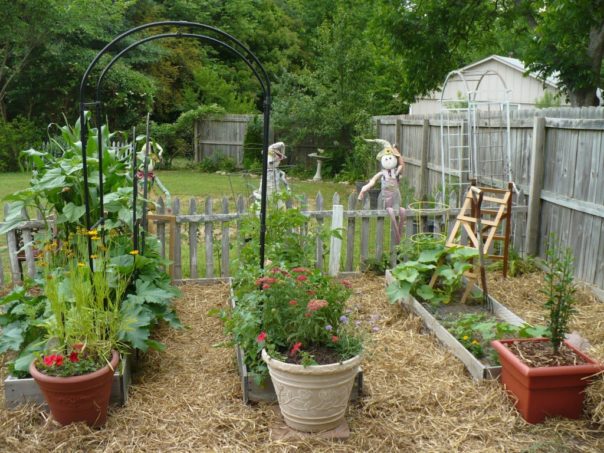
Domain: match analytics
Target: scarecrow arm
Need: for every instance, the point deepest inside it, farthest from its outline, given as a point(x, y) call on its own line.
point(369, 185)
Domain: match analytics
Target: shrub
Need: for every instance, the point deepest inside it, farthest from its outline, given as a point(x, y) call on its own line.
point(15, 136)
point(252, 144)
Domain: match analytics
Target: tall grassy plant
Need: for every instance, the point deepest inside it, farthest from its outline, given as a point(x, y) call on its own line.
point(560, 291)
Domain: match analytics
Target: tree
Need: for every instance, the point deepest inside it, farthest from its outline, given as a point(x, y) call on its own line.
point(568, 44)
point(44, 43)
point(348, 79)
point(561, 38)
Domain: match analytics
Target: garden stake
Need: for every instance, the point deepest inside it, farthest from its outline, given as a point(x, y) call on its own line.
point(483, 276)
point(134, 191)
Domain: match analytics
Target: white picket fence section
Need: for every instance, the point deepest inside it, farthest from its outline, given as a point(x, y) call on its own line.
point(202, 240)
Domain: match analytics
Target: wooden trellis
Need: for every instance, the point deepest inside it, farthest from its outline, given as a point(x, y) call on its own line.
point(482, 227)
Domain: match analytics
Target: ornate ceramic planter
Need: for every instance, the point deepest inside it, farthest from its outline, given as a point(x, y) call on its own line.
point(78, 398)
point(313, 398)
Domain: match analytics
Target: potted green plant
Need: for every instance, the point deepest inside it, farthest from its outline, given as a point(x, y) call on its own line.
point(309, 344)
point(83, 332)
point(548, 376)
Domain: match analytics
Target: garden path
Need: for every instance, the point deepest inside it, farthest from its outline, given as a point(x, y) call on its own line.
point(188, 398)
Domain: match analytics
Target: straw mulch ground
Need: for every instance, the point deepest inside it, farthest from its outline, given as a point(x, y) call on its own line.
point(418, 398)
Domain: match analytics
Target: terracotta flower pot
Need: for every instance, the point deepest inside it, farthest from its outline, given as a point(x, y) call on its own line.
point(555, 391)
point(78, 398)
point(314, 398)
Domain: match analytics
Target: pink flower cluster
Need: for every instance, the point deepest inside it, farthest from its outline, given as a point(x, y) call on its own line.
point(316, 304)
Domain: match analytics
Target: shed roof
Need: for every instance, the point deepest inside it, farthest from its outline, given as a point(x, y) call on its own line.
point(513, 63)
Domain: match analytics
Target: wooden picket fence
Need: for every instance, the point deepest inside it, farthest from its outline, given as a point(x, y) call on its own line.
point(202, 240)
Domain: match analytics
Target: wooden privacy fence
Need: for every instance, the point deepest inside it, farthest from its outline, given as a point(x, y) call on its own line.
point(557, 161)
point(202, 239)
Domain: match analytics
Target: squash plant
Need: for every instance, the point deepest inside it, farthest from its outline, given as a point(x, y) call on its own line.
point(413, 277)
point(56, 189)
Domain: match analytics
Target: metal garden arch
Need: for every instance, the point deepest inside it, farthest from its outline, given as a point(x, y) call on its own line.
point(221, 39)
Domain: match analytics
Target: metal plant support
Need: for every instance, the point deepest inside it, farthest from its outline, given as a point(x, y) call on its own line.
point(220, 39)
point(474, 133)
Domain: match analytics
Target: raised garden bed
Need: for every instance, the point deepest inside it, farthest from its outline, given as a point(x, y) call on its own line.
point(253, 392)
point(20, 391)
point(475, 367)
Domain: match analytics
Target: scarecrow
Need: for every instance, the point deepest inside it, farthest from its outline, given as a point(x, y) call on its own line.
point(392, 166)
point(275, 178)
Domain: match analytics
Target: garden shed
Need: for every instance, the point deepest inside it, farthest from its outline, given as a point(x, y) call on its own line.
point(524, 90)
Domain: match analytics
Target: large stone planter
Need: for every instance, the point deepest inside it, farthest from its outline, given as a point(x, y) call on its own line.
point(251, 391)
point(313, 398)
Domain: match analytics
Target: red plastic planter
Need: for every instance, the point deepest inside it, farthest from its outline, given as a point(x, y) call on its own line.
point(545, 391)
point(78, 398)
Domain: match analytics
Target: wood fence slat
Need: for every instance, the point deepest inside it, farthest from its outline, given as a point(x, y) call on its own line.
point(350, 230)
point(224, 258)
point(209, 240)
point(365, 233)
point(193, 273)
point(175, 234)
point(161, 228)
point(240, 206)
point(1, 272)
point(379, 231)
point(29, 252)
point(13, 246)
point(335, 245)
point(303, 208)
point(319, 243)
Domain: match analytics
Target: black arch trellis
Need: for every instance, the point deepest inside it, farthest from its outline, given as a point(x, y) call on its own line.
point(224, 40)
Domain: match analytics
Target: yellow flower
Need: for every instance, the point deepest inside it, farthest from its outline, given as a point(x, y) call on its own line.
point(81, 264)
point(93, 232)
point(94, 238)
point(465, 337)
point(133, 252)
point(94, 257)
point(475, 341)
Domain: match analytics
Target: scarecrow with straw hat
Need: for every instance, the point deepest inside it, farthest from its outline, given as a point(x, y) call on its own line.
point(275, 178)
point(392, 166)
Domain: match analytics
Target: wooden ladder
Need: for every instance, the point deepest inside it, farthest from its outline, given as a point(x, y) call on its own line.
point(481, 227)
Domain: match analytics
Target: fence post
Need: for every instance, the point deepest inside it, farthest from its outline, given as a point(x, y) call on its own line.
point(175, 244)
point(423, 175)
point(534, 202)
point(335, 246)
point(193, 273)
point(398, 133)
point(1, 273)
point(11, 239)
point(196, 141)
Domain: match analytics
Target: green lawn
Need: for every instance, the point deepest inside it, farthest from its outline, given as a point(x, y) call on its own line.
point(185, 184)
point(11, 182)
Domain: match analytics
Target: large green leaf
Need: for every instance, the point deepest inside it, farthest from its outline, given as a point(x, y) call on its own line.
point(397, 292)
point(147, 292)
point(408, 274)
point(430, 256)
point(73, 213)
point(12, 337)
point(425, 292)
point(135, 324)
point(52, 179)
